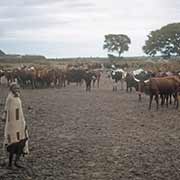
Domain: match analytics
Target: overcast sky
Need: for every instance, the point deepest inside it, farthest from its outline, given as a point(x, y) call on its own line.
point(76, 28)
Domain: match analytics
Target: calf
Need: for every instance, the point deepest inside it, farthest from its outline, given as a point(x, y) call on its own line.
point(18, 150)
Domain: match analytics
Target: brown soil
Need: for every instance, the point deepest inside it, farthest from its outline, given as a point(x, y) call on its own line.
point(101, 135)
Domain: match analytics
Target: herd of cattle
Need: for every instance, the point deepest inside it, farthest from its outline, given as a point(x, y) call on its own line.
point(43, 77)
point(163, 85)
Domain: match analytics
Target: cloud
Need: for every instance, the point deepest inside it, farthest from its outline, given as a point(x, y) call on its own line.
point(82, 24)
point(23, 3)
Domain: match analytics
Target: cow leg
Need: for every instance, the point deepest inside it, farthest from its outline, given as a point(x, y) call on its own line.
point(86, 86)
point(162, 100)
point(89, 86)
point(130, 89)
point(122, 84)
point(16, 160)
point(177, 105)
point(176, 99)
point(60, 83)
point(157, 101)
point(10, 159)
point(64, 83)
point(98, 83)
point(32, 82)
point(115, 87)
point(23, 84)
point(167, 100)
point(150, 100)
point(94, 83)
point(170, 99)
point(127, 87)
point(139, 97)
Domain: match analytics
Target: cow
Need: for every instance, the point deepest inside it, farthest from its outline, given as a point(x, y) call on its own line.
point(131, 82)
point(88, 77)
point(96, 77)
point(138, 79)
point(26, 76)
point(118, 75)
point(163, 86)
point(18, 150)
point(75, 75)
point(60, 78)
point(51, 77)
point(9, 75)
point(42, 77)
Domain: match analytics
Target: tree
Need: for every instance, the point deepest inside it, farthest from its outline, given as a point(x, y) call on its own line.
point(165, 41)
point(116, 42)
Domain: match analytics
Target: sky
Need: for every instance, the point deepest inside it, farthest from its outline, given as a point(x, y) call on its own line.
point(76, 28)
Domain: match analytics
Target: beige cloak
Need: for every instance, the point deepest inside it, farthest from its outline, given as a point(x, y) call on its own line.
point(15, 127)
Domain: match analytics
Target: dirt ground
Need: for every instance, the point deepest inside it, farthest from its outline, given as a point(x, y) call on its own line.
point(97, 135)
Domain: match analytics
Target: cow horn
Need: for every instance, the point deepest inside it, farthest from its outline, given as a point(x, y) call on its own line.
point(137, 80)
point(146, 81)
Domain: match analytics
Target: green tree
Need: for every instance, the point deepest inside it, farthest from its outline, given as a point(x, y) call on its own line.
point(165, 41)
point(116, 43)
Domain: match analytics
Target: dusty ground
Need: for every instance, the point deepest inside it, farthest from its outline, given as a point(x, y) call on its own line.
point(101, 135)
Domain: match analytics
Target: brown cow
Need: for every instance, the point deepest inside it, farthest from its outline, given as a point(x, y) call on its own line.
point(164, 87)
point(26, 76)
point(97, 75)
point(60, 78)
point(42, 77)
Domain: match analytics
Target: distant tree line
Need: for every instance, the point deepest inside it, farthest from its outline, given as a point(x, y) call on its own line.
point(164, 41)
point(5, 56)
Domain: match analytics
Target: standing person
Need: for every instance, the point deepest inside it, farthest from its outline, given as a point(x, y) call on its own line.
point(15, 132)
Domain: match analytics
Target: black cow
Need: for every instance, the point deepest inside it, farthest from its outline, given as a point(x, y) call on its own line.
point(138, 81)
point(131, 82)
point(116, 75)
point(75, 75)
point(17, 149)
point(88, 77)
